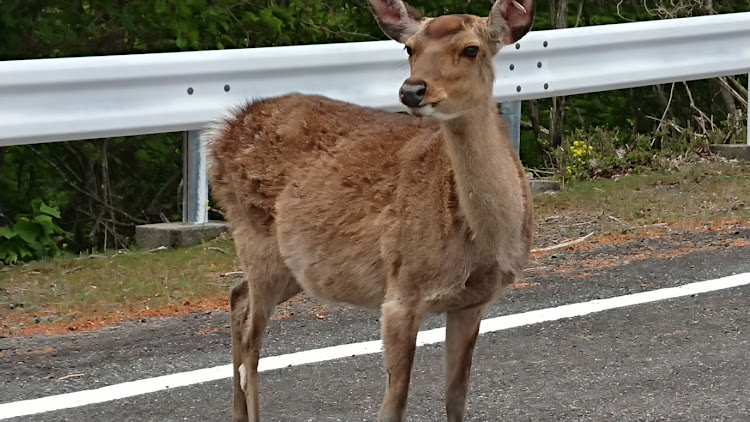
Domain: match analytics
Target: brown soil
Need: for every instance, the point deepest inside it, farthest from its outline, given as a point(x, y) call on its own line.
point(582, 260)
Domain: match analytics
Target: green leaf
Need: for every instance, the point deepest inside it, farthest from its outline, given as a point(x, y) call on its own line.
point(273, 23)
point(45, 223)
point(36, 205)
point(7, 232)
point(250, 17)
point(53, 211)
point(38, 248)
point(27, 230)
point(9, 256)
point(43, 220)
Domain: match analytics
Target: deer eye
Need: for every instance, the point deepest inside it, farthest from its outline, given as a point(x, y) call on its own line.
point(470, 52)
point(408, 50)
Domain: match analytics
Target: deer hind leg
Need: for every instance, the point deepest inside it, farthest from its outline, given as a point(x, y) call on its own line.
point(400, 324)
point(267, 283)
point(462, 329)
point(238, 312)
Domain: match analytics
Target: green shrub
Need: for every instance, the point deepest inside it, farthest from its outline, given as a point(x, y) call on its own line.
point(601, 153)
point(33, 236)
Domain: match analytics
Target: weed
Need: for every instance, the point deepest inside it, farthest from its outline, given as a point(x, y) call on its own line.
point(34, 236)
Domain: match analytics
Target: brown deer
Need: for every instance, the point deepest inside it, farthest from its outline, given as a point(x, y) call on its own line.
point(381, 210)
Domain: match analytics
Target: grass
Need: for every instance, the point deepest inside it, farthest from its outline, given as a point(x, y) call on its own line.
point(117, 286)
point(85, 292)
point(696, 192)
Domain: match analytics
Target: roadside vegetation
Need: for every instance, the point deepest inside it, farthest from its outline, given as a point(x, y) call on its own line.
point(629, 160)
point(82, 292)
point(103, 188)
point(88, 291)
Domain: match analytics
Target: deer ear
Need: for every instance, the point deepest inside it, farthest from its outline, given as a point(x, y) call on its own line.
point(510, 20)
point(396, 18)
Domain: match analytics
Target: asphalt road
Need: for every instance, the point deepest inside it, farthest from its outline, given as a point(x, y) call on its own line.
point(678, 359)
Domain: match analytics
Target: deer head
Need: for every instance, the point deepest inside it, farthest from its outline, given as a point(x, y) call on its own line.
point(451, 56)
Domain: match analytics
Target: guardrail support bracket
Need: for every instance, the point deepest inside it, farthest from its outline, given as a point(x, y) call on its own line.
point(195, 180)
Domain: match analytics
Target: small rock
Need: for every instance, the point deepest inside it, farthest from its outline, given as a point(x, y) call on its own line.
point(49, 318)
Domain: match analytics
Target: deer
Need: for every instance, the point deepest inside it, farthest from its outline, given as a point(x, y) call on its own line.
point(427, 213)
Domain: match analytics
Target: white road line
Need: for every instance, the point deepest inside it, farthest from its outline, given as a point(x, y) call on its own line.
point(150, 385)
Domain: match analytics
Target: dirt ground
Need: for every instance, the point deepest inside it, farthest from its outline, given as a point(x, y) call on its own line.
point(572, 239)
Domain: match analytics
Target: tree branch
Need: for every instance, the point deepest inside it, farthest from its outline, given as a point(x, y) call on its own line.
point(529, 125)
point(83, 191)
point(742, 99)
point(703, 116)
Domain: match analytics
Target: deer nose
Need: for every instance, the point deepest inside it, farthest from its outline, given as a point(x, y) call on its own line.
point(412, 93)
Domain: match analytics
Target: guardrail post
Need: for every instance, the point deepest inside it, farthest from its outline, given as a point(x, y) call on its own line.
point(195, 180)
point(512, 112)
point(748, 108)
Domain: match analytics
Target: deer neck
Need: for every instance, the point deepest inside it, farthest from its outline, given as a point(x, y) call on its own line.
point(480, 155)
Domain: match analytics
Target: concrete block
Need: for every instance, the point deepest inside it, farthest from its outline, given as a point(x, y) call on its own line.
point(177, 235)
point(731, 151)
point(540, 186)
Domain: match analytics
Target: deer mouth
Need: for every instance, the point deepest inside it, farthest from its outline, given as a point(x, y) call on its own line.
point(421, 111)
point(429, 110)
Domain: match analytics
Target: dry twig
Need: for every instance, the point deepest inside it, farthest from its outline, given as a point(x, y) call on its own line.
point(738, 96)
point(666, 109)
point(72, 270)
point(71, 376)
point(564, 244)
point(702, 117)
point(585, 223)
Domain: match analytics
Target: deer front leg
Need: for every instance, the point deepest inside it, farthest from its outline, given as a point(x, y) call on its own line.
point(462, 329)
point(400, 324)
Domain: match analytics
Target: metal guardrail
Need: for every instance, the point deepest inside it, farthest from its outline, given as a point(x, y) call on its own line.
point(64, 99)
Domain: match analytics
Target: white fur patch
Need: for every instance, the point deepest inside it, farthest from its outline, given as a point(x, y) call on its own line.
point(429, 111)
point(243, 377)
